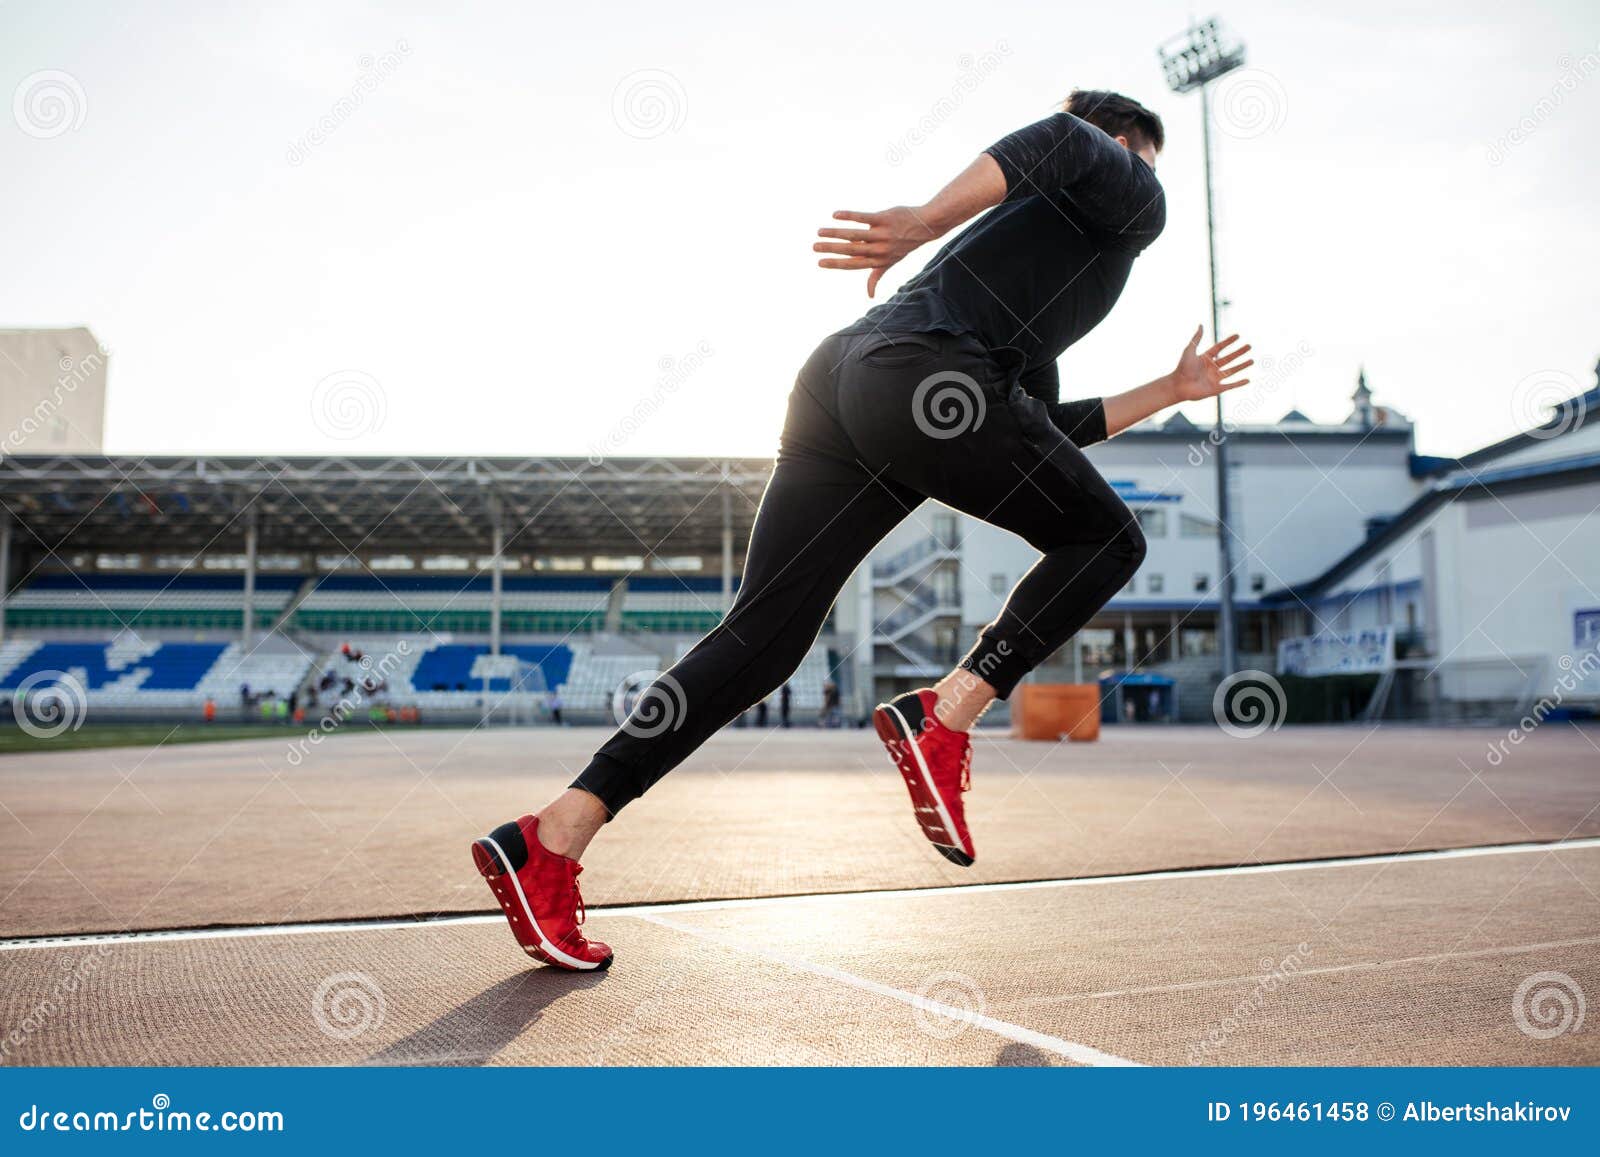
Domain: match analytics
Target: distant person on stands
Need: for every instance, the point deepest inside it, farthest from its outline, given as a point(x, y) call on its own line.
point(785, 701)
point(761, 714)
point(555, 708)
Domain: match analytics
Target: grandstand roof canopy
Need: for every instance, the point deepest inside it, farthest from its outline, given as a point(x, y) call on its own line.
point(551, 506)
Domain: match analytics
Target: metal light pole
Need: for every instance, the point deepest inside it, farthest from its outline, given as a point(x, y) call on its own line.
point(1192, 61)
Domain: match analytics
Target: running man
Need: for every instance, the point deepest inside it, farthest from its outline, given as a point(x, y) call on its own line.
point(948, 390)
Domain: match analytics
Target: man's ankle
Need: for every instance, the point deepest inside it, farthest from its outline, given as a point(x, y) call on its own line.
point(962, 698)
point(569, 822)
point(553, 838)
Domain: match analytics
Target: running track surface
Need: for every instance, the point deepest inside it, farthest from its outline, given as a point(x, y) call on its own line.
point(248, 903)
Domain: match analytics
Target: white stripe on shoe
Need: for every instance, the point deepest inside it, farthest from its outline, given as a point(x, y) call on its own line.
point(927, 780)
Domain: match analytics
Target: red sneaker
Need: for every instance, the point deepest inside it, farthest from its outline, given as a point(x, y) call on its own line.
point(937, 765)
point(539, 892)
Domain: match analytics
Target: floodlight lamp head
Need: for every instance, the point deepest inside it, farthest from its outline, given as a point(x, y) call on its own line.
point(1198, 56)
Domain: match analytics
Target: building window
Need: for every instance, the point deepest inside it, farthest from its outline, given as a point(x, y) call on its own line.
point(1155, 584)
point(1153, 521)
point(1193, 526)
point(1202, 583)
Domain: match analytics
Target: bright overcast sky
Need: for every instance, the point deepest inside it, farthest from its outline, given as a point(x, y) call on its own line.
point(502, 254)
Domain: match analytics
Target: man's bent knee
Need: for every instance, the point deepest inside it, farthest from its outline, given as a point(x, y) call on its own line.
point(1131, 543)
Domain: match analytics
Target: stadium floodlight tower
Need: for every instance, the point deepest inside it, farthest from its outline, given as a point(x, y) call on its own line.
point(1193, 60)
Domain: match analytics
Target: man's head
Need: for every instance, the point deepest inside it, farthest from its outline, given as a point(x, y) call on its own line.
point(1133, 125)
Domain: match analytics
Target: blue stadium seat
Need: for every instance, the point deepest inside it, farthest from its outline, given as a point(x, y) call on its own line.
point(171, 666)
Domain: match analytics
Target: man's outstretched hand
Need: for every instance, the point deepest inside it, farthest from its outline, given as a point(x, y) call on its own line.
point(1199, 374)
point(888, 237)
point(1205, 374)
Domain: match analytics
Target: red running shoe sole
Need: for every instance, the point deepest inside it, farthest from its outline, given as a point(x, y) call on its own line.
point(926, 803)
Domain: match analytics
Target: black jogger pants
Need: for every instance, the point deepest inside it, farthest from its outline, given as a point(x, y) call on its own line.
point(877, 423)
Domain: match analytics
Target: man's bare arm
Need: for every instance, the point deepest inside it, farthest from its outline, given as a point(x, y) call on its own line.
point(891, 234)
point(1197, 375)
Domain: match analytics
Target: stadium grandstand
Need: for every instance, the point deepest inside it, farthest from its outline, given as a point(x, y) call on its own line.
point(446, 589)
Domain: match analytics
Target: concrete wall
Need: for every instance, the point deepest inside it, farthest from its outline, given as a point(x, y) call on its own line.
point(52, 392)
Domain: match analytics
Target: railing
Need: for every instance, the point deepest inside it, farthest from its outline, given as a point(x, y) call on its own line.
point(916, 657)
point(915, 610)
point(940, 542)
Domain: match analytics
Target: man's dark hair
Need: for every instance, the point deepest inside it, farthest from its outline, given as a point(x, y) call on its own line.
point(1117, 116)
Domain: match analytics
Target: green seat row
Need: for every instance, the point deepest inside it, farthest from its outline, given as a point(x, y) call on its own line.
point(126, 618)
point(399, 621)
point(671, 622)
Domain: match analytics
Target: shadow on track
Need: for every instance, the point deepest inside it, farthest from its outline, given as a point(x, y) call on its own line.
point(475, 1031)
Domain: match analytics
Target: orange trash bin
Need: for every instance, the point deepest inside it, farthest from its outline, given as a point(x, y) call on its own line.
point(1051, 710)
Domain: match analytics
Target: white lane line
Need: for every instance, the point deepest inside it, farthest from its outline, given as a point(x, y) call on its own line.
point(1585, 843)
point(1326, 970)
point(1073, 1051)
point(181, 934)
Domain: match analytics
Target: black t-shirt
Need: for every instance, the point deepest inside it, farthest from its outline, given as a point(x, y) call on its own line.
point(1042, 268)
